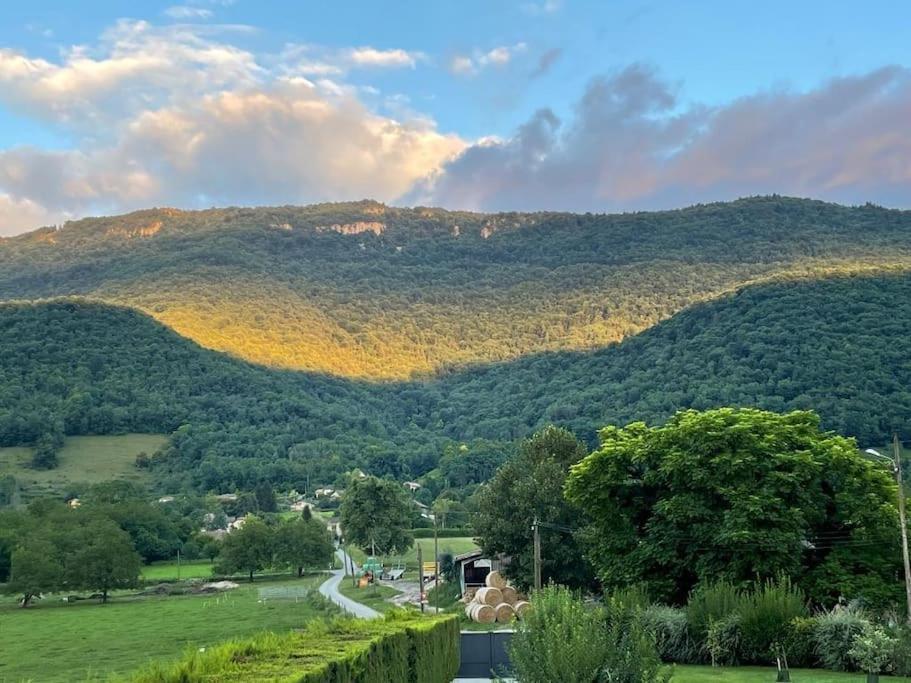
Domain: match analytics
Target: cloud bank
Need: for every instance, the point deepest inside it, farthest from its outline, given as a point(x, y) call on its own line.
point(180, 115)
point(630, 145)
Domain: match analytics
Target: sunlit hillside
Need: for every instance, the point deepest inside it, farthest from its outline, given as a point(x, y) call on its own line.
point(368, 291)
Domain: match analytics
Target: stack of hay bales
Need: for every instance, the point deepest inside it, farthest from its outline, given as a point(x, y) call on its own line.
point(497, 601)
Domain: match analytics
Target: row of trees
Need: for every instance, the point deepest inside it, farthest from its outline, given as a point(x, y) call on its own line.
point(729, 494)
point(299, 543)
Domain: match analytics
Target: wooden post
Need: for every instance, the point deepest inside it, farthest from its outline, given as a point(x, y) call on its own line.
point(537, 552)
point(421, 576)
point(902, 517)
point(436, 555)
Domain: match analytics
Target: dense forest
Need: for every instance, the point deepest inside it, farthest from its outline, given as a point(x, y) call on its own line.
point(838, 346)
point(363, 290)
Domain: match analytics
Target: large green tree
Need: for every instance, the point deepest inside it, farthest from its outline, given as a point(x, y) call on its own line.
point(303, 542)
point(738, 494)
point(247, 549)
point(376, 515)
point(104, 558)
point(529, 486)
point(35, 570)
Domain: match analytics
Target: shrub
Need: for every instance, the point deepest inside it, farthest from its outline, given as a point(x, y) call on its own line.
point(834, 633)
point(873, 649)
point(559, 640)
point(799, 643)
point(708, 604)
point(669, 627)
point(631, 655)
point(723, 640)
point(766, 613)
point(901, 653)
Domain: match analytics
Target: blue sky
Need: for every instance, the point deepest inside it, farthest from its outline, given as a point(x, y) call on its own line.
point(523, 104)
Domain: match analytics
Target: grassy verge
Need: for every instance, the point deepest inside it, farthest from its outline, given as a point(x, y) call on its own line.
point(754, 674)
point(58, 642)
point(168, 571)
point(374, 596)
point(455, 546)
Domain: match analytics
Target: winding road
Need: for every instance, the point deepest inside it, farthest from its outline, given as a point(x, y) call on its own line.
point(329, 588)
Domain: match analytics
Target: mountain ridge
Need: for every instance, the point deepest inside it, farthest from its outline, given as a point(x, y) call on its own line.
point(416, 298)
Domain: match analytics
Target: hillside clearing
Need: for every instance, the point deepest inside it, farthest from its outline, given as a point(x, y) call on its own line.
point(83, 460)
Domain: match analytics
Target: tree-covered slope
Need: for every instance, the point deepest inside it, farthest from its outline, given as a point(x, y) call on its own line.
point(365, 290)
point(839, 346)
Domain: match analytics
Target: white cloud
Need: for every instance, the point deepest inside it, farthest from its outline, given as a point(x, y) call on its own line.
point(23, 214)
point(464, 65)
point(542, 8)
point(190, 119)
point(371, 57)
point(188, 12)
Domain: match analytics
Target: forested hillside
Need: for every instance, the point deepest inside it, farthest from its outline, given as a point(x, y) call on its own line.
point(365, 290)
point(839, 346)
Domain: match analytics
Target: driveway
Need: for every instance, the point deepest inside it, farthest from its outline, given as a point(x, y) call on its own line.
point(329, 588)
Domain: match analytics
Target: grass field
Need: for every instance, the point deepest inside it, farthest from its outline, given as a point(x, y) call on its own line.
point(751, 674)
point(167, 571)
point(456, 546)
point(55, 642)
point(374, 597)
point(83, 459)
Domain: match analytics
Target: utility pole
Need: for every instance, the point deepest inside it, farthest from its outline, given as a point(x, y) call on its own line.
point(436, 555)
point(897, 452)
point(537, 551)
point(421, 577)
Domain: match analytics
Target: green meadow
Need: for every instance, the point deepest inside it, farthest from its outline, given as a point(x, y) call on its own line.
point(59, 642)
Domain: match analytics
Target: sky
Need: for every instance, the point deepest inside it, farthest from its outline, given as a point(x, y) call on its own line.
point(616, 105)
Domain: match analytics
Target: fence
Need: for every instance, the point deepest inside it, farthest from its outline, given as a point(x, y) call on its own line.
point(484, 654)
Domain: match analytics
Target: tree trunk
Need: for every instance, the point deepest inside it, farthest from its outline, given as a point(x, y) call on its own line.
point(104, 596)
point(26, 599)
point(251, 576)
point(300, 572)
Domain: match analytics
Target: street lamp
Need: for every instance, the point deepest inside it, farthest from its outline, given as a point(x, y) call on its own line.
point(896, 465)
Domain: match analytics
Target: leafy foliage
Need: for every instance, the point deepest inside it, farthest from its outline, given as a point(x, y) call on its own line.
point(375, 514)
point(528, 487)
point(736, 494)
point(410, 291)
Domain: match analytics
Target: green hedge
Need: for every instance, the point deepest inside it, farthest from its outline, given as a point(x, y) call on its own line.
point(460, 532)
point(402, 647)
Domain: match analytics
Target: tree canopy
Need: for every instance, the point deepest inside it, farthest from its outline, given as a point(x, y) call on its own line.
point(528, 487)
point(376, 515)
point(738, 494)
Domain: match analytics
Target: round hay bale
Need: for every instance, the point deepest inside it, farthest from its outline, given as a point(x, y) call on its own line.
point(483, 614)
point(468, 609)
point(510, 597)
point(521, 607)
point(489, 596)
point(495, 580)
point(505, 613)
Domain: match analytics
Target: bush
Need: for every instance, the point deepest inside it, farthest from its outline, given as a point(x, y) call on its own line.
point(723, 641)
point(560, 639)
point(901, 653)
point(834, 633)
point(873, 649)
point(799, 643)
point(710, 603)
point(766, 613)
point(669, 627)
point(631, 654)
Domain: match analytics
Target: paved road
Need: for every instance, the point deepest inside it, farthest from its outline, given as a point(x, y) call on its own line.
point(329, 588)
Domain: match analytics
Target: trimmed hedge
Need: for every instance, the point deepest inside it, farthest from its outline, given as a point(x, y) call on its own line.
point(460, 532)
point(402, 647)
